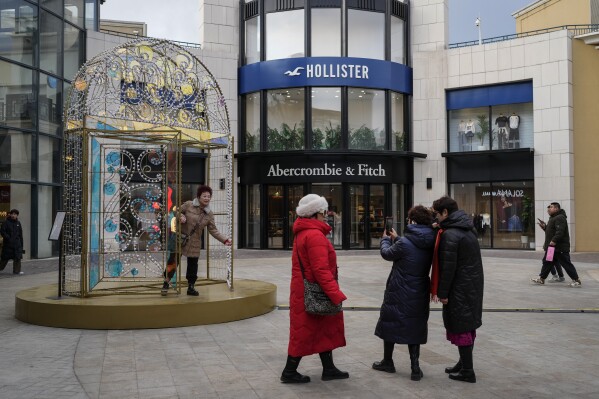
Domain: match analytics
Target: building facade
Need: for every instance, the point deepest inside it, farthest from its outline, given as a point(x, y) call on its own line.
point(42, 46)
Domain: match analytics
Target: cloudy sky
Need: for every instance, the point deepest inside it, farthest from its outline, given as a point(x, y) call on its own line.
point(182, 22)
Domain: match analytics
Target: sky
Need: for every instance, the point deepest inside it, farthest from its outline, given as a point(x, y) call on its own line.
point(181, 22)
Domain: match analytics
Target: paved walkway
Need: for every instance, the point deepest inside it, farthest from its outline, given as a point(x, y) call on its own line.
point(536, 342)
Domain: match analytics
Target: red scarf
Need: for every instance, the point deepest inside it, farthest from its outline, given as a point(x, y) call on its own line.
point(435, 269)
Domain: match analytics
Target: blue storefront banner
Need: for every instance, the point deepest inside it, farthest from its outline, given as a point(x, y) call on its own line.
point(502, 94)
point(325, 72)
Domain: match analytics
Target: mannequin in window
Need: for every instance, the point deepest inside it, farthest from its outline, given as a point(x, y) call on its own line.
point(514, 137)
point(502, 130)
point(461, 133)
point(469, 132)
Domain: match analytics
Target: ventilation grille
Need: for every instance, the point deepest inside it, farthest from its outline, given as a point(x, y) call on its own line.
point(251, 9)
point(400, 9)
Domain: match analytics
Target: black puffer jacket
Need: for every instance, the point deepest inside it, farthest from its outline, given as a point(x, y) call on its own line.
point(461, 277)
point(405, 309)
point(557, 231)
point(12, 233)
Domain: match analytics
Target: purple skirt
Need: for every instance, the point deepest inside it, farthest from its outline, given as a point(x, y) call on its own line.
point(461, 339)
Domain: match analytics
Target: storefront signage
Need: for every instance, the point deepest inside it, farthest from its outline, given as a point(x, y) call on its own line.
point(360, 169)
point(311, 168)
point(325, 71)
point(504, 193)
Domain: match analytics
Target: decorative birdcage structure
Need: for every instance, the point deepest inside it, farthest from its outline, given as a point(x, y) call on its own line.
point(130, 113)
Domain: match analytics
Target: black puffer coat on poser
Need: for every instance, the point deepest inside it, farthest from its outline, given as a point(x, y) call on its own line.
point(461, 277)
point(405, 309)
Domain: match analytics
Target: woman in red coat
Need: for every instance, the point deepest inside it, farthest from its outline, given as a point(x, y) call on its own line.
point(308, 333)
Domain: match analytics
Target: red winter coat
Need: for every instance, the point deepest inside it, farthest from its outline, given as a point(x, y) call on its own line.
point(309, 334)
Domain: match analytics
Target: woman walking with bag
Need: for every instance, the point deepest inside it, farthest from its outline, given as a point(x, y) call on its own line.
point(311, 333)
point(405, 310)
point(194, 217)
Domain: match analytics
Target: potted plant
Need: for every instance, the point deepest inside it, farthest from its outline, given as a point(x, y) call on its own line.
point(483, 125)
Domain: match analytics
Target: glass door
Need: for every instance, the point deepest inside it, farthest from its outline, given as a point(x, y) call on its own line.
point(358, 215)
point(376, 214)
point(276, 217)
point(294, 194)
point(334, 196)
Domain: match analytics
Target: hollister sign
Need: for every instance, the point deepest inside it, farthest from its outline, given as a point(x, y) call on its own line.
point(324, 168)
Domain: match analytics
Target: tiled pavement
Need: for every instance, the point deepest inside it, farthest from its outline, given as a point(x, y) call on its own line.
point(520, 351)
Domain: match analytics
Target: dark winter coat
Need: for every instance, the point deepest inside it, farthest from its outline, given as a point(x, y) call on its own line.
point(309, 334)
point(557, 231)
point(405, 309)
point(461, 277)
point(12, 234)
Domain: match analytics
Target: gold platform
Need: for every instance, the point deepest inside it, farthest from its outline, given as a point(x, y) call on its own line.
point(215, 304)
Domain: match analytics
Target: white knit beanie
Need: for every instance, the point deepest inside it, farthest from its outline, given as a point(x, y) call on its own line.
point(311, 204)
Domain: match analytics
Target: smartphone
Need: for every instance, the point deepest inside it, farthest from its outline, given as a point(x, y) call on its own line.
point(388, 224)
point(540, 221)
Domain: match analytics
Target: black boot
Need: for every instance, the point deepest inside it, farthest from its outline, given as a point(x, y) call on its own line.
point(417, 373)
point(329, 371)
point(192, 291)
point(386, 364)
point(164, 290)
point(466, 374)
point(454, 369)
point(290, 374)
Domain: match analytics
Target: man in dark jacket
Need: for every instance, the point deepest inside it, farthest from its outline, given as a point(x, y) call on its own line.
point(557, 236)
point(12, 235)
point(460, 283)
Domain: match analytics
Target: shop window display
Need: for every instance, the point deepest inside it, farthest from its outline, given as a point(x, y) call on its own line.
point(499, 127)
point(502, 213)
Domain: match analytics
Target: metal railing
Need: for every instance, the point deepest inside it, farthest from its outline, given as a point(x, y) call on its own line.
point(133, 36)
point(574, 29)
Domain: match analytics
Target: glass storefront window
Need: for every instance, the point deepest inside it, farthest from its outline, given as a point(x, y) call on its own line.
point(358, 215)
point(74, 51)
point(51, 43)
point(366, 119)
point(49, 160)
point(50, 197)
point(18, 31)
point(73, 12)
point(276, 216)
point(512, 126)
point(326, 118)
point(52, 5)
point(469, 129)
point(326, 23)
point(376, 214)
point(285, 34)
point(503, 212)
point(334, 196)
point(90, 15)
point(16, 158)
point(252, 232)
point(295, 194)
point(398, 46)
point(252, 122)
point(285, 119)
point(252, 40)
point(398, 132)
point(50, 104)
point(17, 99)
point(18, 196)
point(397, 207)
point(366, 34)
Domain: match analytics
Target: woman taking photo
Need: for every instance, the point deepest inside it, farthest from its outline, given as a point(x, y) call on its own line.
point(194, 217)
point(309, 333)
point(405, 309)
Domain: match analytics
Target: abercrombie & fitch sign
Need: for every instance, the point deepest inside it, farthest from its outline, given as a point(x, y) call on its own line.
point(329, 170)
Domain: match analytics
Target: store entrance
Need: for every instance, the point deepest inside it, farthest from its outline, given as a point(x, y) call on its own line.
point(282, 201)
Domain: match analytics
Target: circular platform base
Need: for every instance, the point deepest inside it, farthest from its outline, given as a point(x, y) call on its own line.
point(215, 304)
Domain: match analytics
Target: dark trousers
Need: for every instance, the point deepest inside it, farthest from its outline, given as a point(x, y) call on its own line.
point(562, 258)
point(557, 269)
point(192, 270)
point(16, 265)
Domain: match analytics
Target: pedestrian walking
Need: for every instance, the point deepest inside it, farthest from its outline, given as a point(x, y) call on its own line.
point(12, 237)
point(406, 304)
point(557, 236)
point(458, 282)
point(311, 333)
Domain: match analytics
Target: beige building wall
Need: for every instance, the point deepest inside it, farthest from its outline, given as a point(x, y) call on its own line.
point(586, 143)
point(549, 13)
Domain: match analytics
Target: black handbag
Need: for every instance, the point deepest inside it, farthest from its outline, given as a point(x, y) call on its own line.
point(316, 300)
point(184, 238)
